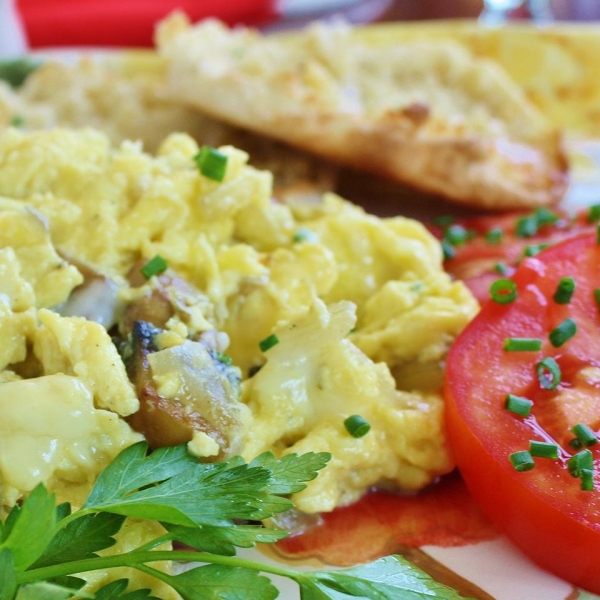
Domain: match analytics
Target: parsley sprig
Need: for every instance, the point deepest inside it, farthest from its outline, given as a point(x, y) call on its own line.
point(43, 546)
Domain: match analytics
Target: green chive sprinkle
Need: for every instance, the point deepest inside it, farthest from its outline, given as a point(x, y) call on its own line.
point(522, 345)
point(598, 233)
point(443, 220)
point(302, 234)
point(584, 434)
point(593, 213)
point(518, 405)
point(356, 426)
point(268, 342)
point(212, 163)
point(564, 290)
point(224, 358)
point(543, 449)
point(578, 462)
point(522, 460)
point(503, 291)
point(562, 332)
point(534, 249)
point(545, 216)
point(501, 268)
point(548, 373)
point(597, 296)
point(17, 121)
point(526, 226)
point(575, 444)
point(456, 235)
point(494, 235)
point(448, 250)
point(587, 480)
point(155, 266)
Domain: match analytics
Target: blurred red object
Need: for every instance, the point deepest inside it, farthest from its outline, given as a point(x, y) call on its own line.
point(125, 22)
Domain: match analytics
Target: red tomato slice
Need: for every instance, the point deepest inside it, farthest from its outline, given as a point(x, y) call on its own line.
point(544, 510)
point(474, 261)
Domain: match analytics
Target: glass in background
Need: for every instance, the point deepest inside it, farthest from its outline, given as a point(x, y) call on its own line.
point(12, 40)
point(496, 12)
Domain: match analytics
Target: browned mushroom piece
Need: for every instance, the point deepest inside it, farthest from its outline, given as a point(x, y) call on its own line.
point(160, 302)
point(203, 392)
point(96, 299)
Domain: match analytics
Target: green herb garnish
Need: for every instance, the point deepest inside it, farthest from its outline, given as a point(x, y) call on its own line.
point(43, 547)
point(155, 266)
point(503, 291)
point(268, 342)
point(16, 71)
point(563, 332)
point(357, 426)
point(211, 163)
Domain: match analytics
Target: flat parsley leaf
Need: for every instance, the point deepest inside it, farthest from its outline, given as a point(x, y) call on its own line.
point(8, 581)
point(46, 591)
point(171, 487)
point(291, 472)
point(31, 527)
point(117, 590)
point(81, 539)
point(224, 540)
point(218, 582)
point(389, 578)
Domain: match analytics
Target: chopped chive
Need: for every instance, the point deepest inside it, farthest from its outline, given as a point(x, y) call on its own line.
point(501, 268)
point(593, 213)
point(302, 234)
point(448, 250)
point(456, 235)
point(268, 342)
point(17, 121)
point(518, 405)
point(575, 444)
point(584, 434)
point(212, 163)
point(548, 373)
point(564, 290)
point(597, 296)
point(526, 226)
point(534, 249)
point(356, 426)
point(503, 291)
point(578, 462)
point(522, 460)
point(443, 220)
point(543, 449)
point(522, 345)
point(224, 358)
point(494, 235)
point(16, 71)
point(544, 216)
point(587, 480)
point(598, 233)
point(563, 332)
point(155, 266)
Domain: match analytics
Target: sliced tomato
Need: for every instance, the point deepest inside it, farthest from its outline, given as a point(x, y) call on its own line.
point(543, 510)
point(476, 260)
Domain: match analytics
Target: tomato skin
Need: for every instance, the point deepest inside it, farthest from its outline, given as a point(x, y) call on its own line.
point(543, 511)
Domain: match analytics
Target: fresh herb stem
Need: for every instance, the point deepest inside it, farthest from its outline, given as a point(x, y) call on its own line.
point(137, 558)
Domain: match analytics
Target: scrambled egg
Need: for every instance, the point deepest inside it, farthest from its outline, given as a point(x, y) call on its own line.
point(361, 308)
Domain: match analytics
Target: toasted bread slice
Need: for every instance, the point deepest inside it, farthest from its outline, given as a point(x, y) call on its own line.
point(427, 114)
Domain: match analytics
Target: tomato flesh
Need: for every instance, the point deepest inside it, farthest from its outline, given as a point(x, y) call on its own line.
point(475, 260)
point(544, 511)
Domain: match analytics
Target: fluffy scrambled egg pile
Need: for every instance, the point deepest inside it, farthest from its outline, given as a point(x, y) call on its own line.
point(95, 356)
